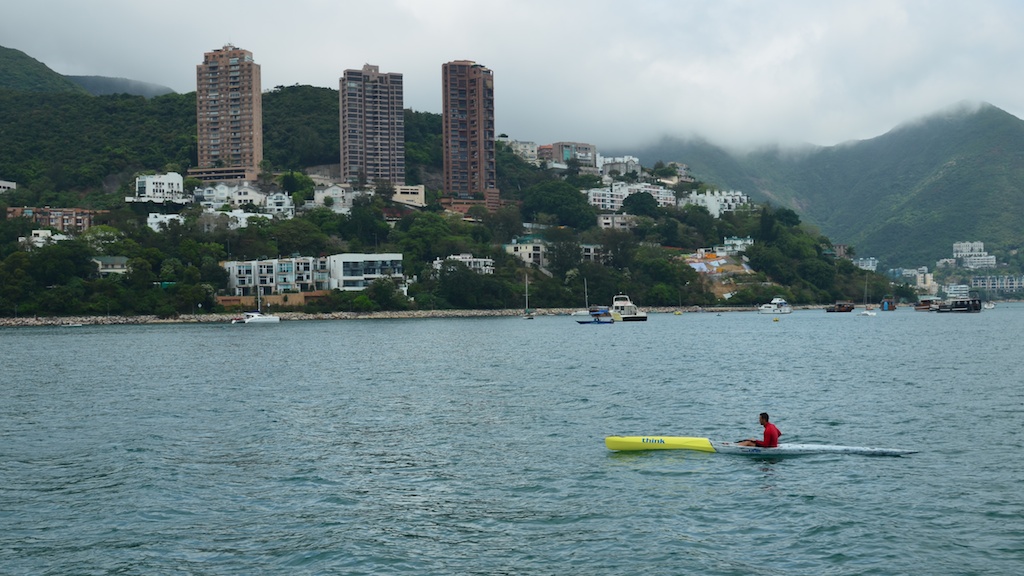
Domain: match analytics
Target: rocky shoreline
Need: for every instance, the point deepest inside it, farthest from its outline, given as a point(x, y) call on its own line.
point(296, 316)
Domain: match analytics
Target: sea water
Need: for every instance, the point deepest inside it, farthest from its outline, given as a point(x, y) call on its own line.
point(475, 446)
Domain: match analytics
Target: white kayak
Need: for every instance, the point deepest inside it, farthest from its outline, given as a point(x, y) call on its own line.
point(796, 449)
point(636, 443)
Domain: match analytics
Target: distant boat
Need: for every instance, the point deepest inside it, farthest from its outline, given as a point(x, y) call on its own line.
point(840, 306)
point(970, 303)
point(868, 309)
point(596, 315)
point(778, 305)
point(256, 316)
point(988, 305)
point(627, 310)
point(888, 304)
point(927, 305)
point(527, 313)
point(592, 314)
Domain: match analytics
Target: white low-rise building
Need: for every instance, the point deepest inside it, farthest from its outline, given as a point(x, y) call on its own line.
point(233, 195)
point(347, 272)
point(160, 221)
point(7, 186)
point(40, 238)
point(341, 196)
point(610, 198)
point(160, 188)
point(530, 249)
point(478, 265)
point(717, 202)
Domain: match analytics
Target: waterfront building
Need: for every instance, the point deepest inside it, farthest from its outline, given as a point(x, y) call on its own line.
point(998, 283)
point(277, 275)
point(349, 272)
point(372, 126)
point(468, 130)
point(229, 116)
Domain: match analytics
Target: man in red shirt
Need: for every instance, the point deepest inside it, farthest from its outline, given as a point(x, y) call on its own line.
point(771, 435)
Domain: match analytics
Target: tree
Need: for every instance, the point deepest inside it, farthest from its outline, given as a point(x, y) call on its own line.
point(561, 200)
point(640, 204)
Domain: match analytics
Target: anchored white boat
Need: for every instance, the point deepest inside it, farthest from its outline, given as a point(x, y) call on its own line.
point(629, 312)
point(637, 443)
point(778, 305)
point(256, 317)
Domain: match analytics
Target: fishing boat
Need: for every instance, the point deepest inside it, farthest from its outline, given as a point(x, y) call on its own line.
point(629, 312)
point(927, 305)
point(639, 443)
point(778, 305)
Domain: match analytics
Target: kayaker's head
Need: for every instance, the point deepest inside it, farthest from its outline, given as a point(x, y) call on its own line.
point(763, 418)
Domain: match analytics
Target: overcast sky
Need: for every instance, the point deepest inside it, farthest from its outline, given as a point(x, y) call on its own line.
point(611, 73)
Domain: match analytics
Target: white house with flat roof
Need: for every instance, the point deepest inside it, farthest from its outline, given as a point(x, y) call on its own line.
point(160, 188)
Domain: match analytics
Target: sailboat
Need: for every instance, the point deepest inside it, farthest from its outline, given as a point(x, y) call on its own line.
point(867, 311)
point(256, 316)
point(593, 314)
point(527, 313)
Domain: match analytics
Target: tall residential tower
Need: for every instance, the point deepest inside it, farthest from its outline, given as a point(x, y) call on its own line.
point(372, 126)
point(468, 130)
point(229, 116)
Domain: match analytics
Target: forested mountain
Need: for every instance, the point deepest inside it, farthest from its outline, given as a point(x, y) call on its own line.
point(21, 72)
point(903, 197)
point(104, 86)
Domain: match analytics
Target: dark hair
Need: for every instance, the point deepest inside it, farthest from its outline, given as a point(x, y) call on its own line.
point(765, 416)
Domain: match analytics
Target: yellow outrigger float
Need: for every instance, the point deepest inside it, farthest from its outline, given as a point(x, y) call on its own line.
point(628, 443)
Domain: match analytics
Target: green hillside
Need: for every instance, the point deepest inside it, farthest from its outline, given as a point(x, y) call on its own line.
point(104, 86)
point(904, 197)
point(21, 72)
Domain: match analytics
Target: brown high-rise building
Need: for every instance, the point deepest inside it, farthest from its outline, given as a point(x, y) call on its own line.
point(372, 126)
point(468, 130)
point(229, 116)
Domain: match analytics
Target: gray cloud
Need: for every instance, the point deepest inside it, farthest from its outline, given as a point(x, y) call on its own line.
point(610, 73)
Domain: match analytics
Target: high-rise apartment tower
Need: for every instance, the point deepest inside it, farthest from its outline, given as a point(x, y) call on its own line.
point(229, 116)
point(468, 129)
point(372, 126)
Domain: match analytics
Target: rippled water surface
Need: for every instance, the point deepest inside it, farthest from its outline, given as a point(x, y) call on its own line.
point(475, 446)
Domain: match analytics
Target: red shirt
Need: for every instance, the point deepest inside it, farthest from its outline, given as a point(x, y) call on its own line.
point(771, 437)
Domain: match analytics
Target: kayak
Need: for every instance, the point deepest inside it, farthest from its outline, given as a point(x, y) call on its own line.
point(637, 443)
